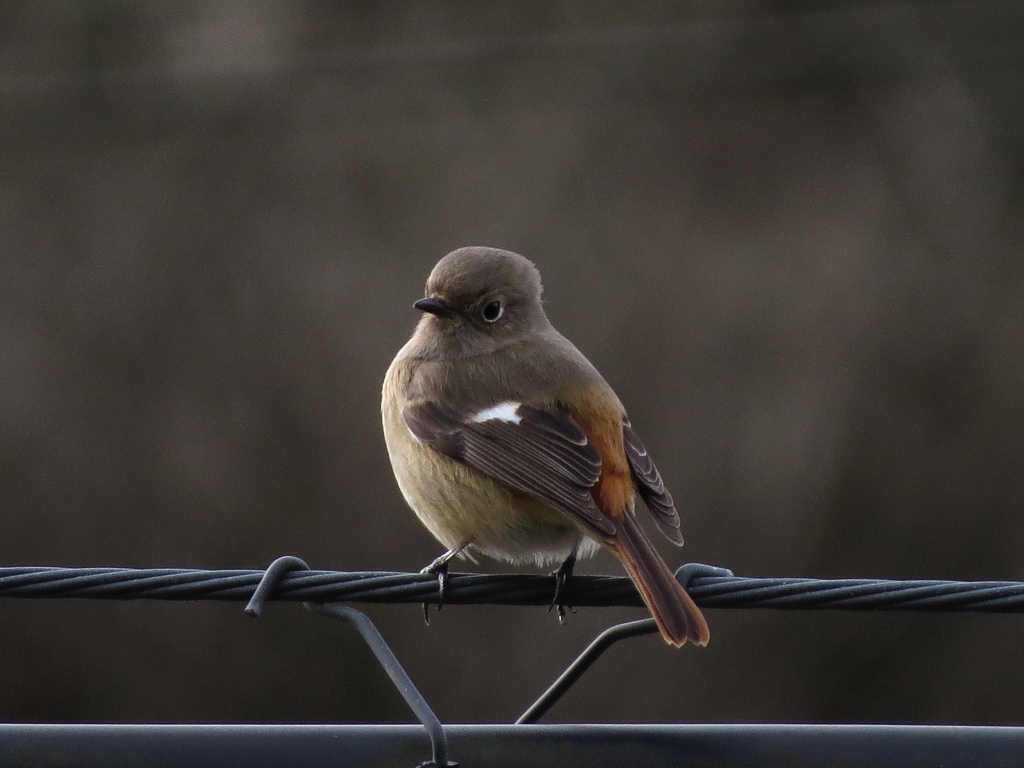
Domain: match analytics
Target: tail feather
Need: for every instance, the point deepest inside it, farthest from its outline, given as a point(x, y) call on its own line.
point(677, 616)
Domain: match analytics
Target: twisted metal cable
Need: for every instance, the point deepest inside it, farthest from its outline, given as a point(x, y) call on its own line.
point(508, 589)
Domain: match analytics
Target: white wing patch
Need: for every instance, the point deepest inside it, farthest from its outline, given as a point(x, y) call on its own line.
point(507, 411)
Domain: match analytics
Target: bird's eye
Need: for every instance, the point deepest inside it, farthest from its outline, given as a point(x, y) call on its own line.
point(493, 311)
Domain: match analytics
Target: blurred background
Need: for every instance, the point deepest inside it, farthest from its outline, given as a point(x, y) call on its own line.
point(789, 238)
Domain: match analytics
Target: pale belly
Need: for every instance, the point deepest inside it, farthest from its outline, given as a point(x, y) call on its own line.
point(461, 506)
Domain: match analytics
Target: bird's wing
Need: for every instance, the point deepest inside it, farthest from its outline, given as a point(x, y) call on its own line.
point(538, 450)
point(650, 486)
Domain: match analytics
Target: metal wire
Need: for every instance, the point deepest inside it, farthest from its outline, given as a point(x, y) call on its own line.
point(508, 589)
point(583, 662)
point(389, 662)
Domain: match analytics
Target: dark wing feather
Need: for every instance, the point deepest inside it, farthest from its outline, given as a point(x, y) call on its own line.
point(545, 454)
point(651, 487)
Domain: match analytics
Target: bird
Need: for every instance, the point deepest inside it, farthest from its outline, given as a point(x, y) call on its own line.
point(508, 443)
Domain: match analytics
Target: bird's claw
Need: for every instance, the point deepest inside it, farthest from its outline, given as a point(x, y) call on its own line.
point(439, 567)
point(561, 577)
point(561, 610)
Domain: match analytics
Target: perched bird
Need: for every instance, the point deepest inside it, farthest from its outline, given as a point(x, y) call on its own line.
point(507, 442)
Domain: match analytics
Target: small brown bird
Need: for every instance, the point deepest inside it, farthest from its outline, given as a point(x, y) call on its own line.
point(507, 442)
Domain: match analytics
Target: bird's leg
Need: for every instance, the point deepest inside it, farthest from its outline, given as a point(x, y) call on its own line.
point(440, 567)
point(561, 577)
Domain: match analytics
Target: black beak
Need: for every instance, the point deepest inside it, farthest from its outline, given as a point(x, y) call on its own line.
point(433, 306)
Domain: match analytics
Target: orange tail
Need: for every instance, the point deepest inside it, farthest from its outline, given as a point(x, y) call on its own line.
point(677, 616)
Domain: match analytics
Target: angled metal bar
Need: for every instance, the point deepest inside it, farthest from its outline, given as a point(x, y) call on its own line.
point(278, 569)
point(684, 574)
point(583, 662)
point(402, 681)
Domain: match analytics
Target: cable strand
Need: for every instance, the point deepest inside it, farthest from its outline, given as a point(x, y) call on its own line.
point(508, 589)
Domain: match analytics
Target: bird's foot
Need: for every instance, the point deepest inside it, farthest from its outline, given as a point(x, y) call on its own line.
point(440, 567)
point(561, 577)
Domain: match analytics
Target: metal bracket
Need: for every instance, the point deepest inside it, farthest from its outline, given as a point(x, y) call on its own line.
point(373, 638)
point(603, 642)
point(271, 578)
point(575, 671)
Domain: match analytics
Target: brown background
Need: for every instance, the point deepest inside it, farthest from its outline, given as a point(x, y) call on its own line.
point(789, 238)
